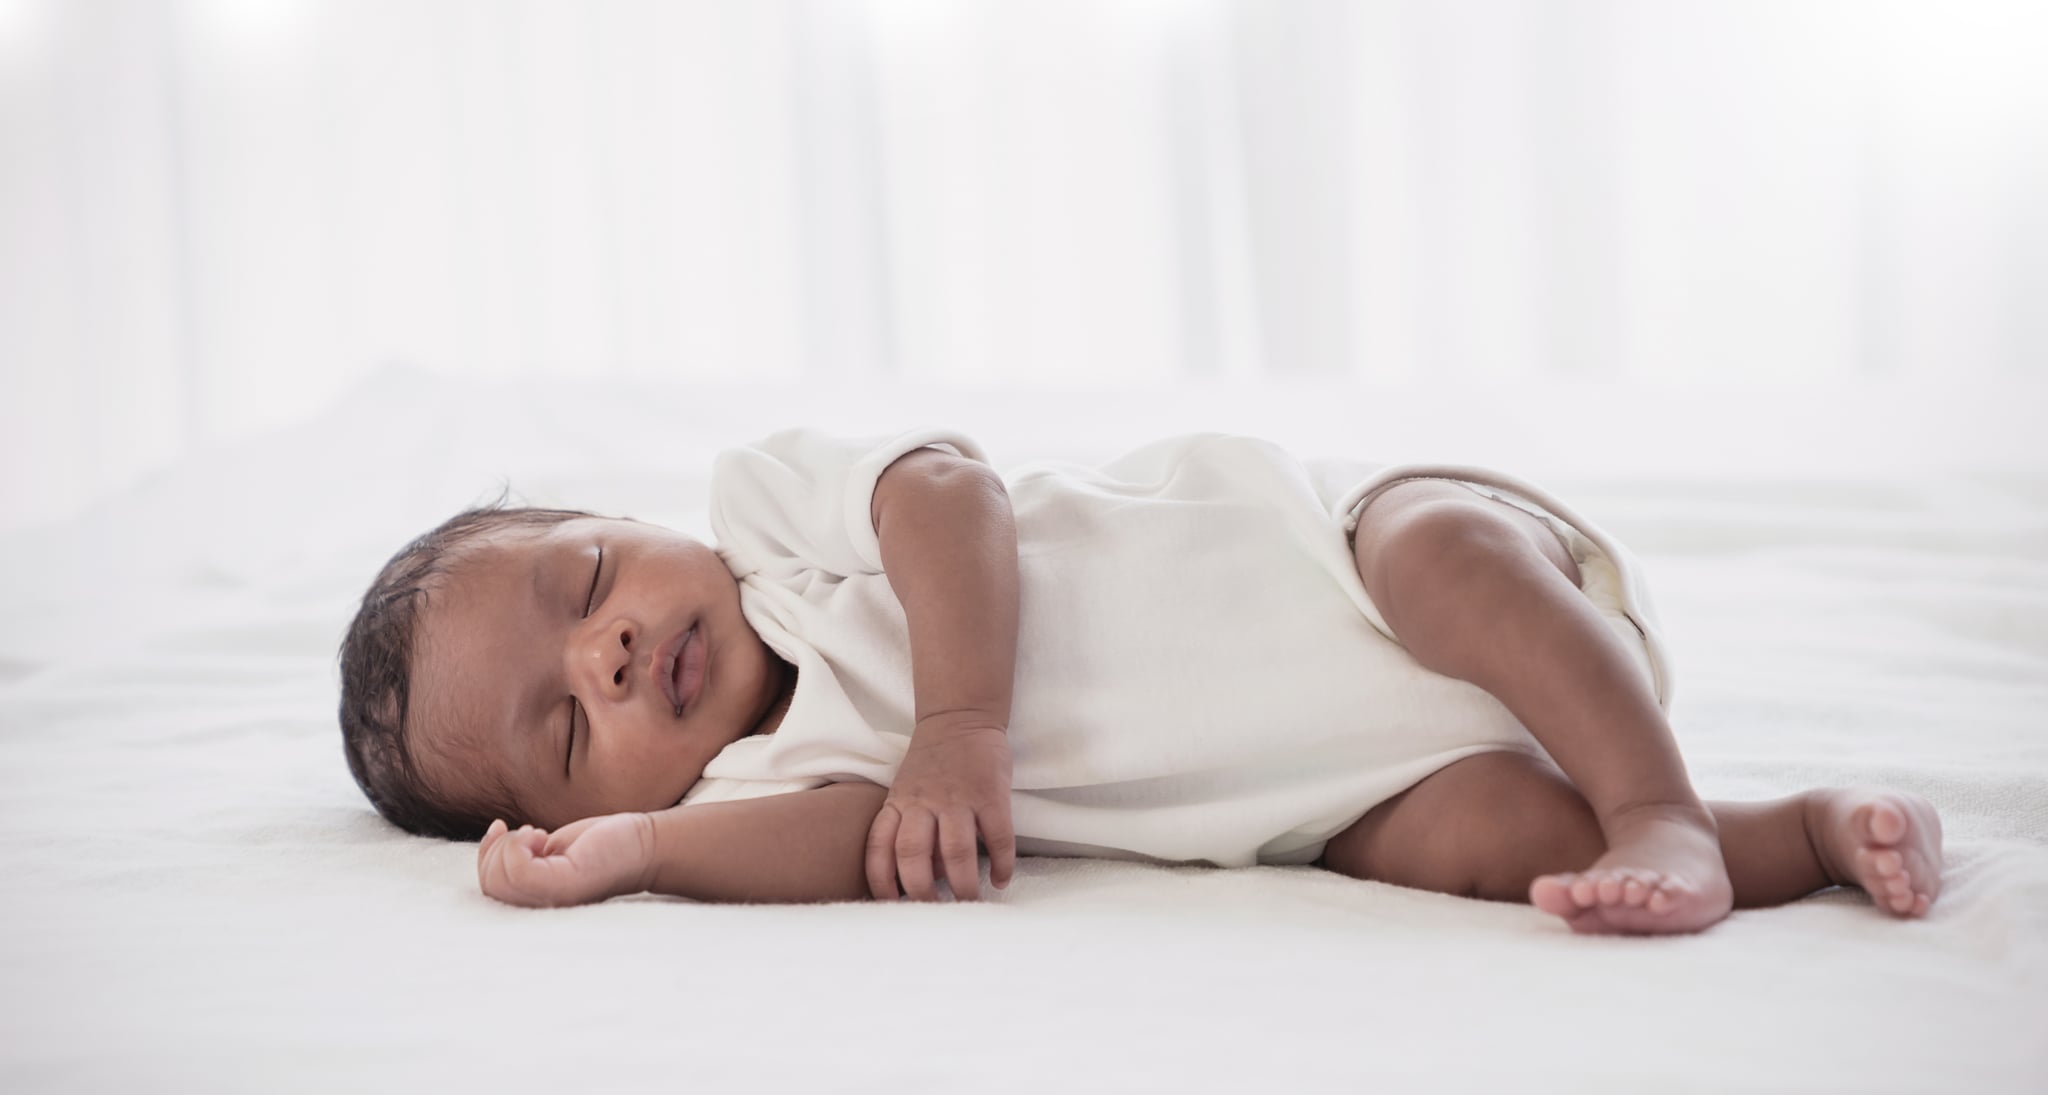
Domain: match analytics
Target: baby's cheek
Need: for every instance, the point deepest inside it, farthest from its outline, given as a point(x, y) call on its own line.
point(650, 780)
point(682, 776)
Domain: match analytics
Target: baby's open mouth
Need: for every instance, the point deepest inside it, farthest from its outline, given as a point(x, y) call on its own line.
point(682, 661)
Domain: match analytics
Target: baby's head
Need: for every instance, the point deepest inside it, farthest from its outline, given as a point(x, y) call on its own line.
point(544, 665)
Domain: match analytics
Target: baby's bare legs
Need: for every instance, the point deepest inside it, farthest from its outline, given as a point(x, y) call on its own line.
point(1497, 824)
point(1480, 591)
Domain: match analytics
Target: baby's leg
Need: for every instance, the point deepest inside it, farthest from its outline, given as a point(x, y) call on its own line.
point(1485, 826)
point(1506, 826)
point(1478, 590)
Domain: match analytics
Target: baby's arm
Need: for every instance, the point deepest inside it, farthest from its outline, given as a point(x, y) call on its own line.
point(802, 846)
point(949, 546)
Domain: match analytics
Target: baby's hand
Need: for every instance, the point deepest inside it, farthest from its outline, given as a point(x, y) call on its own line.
point(582, 862)
point(954, 780)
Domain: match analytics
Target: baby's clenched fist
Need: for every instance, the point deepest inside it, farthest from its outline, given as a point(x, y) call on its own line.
point(582, 862)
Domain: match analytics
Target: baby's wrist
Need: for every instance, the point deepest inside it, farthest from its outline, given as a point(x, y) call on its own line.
point(649, 880)
point(962, 720)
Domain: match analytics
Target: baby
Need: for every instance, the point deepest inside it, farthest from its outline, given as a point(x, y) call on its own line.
point(1204, 651)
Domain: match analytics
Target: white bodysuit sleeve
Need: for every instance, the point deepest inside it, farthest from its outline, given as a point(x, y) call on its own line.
point(800, 500)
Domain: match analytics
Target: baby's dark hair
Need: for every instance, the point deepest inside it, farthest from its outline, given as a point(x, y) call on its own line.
point(376, 674)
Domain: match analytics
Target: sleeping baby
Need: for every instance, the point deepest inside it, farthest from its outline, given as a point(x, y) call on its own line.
point(1204, 651)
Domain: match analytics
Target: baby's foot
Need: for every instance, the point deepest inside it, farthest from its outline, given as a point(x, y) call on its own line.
point(1887, 842)
point(1661, 874)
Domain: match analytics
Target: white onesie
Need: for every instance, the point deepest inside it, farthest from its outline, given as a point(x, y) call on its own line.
point(1201, 676)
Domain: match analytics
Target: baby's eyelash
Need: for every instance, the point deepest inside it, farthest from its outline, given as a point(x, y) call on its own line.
point(588, 604)
point(570, 751)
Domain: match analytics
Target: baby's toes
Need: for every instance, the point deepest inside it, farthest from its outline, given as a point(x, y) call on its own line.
point(1925, 875)
point(1879, 864)
point(1610, 888)
point(1635, 891)
point(1666, 894)
point(1881, 822)
point(1553, 894)
point(1898, 893)
point(1585, 891)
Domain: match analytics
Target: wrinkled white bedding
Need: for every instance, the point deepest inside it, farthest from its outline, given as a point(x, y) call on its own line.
point(196, 896)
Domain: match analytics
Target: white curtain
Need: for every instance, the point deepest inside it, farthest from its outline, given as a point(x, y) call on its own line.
point(215, 214)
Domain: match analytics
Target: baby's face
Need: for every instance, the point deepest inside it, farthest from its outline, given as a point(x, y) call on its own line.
point(553, 662)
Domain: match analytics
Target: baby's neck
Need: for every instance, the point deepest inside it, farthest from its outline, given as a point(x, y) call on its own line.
point(785, 692)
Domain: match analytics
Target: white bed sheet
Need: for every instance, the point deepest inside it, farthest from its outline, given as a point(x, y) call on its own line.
point(196, 896)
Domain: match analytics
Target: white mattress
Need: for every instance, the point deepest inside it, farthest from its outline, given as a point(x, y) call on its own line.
point(197, 897)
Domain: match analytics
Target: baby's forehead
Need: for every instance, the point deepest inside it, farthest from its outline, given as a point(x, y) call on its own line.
point(467, 635)
point(524, 538)
point(503, 554)
point(478, 587)
point(512, 541)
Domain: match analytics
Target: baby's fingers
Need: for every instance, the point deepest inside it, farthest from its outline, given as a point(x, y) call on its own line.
point(561, 838)
point(513, 870)
point(915, 843)
point(483, 852)
point(497, 840)
point(882, 854)
point(956, 849)
point(495, 870)
point(1001, 841)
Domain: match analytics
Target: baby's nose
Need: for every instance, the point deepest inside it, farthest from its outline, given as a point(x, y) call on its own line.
point(609, 654)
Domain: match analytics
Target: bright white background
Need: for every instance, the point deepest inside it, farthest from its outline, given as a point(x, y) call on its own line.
point(283, 282)
point(217, 215)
